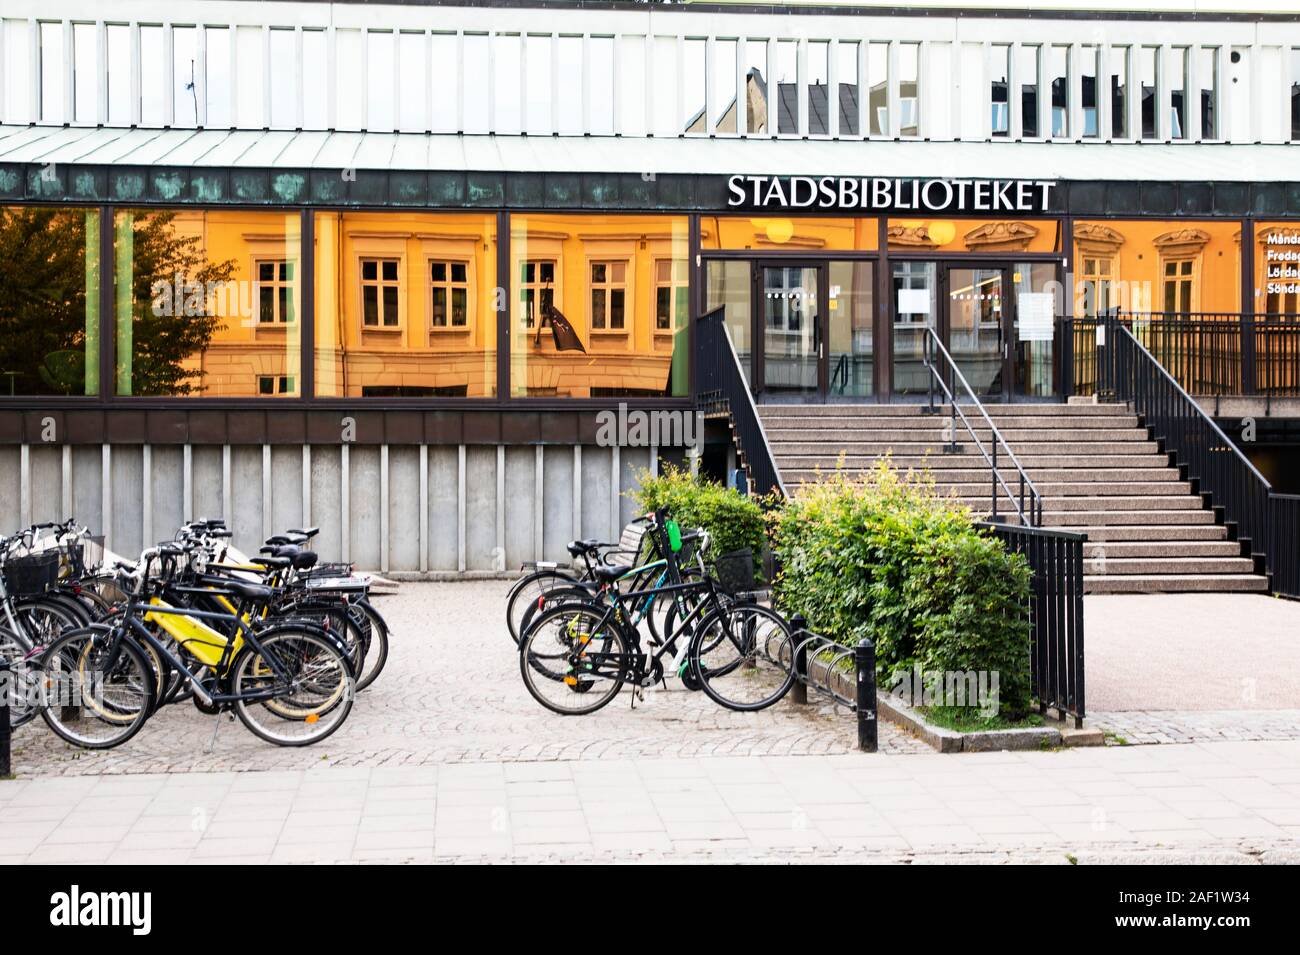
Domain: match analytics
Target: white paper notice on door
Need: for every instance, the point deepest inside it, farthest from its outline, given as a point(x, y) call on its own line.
point(1036, 316)
point(913, 301)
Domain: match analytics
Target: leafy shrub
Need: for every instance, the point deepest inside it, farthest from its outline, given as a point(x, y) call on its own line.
point(886, 558)
point(733, 520)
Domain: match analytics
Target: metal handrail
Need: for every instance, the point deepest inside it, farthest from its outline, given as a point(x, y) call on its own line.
point(1034, 516)
point(720, 372)
point(1195, 405)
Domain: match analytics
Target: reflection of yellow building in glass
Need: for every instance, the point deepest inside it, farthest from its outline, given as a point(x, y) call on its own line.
point(211, 305)
point(600, 306)
point(405, 304)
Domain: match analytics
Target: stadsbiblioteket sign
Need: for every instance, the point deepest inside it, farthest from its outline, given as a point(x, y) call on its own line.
point(882, 194)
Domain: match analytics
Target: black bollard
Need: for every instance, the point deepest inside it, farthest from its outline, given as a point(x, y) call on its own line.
point(864, 658)
point(799, 692)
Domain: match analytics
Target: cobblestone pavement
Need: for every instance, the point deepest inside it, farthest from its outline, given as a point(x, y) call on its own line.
point(452, 693)
point(1153, 726)
point(1204, 802)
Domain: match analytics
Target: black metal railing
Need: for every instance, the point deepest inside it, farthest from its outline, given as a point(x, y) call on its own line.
point(1055, 612)
point(1207, 353)
point(1127, 371)
point(1025, 500)
point(722, 386)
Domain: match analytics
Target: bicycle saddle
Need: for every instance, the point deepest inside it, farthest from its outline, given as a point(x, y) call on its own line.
point(608, 573)
point(240, 588)
point(308, 532)
point(270, 562)
point(578, 548)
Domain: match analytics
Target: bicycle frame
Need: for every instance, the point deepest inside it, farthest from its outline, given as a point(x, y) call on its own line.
point(132, 621)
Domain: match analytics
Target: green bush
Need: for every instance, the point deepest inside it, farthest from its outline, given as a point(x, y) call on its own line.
point(885, 557)
point(733, 520)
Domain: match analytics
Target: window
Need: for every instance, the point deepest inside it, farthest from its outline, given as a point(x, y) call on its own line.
point(1098, 287)
point(1088, 79)
point(1027, 74)
point(671, 295)
point(433, 277)
point(591, 296)
point(1148, 84)
point(1295, 94)
point(909, 89)
point(1118, 70)
point(787, 86)
point(608, 296)
point(50, 344)
point(1207, 74)
point(196, 293)
point(878, 88)
point(216, 80)
point(274, 385)
point(693, 86)
point(1000, 90)
point(1178, 92)
point(724, 85)
point(85, 81)
point(846, 77)
point(51, 72)
point(1058, 72)
point(756, 102)
point(379, 293)
point(274, 292)
point(1179, 285)
point(537, 290)
point(449, 294)
point(818, 103)
point(118, 42)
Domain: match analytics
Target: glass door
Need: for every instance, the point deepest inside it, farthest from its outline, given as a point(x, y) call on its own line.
point(793, 344)
point(916, 291)
point(1033, 330)
point(850, 314)
point(976, 314)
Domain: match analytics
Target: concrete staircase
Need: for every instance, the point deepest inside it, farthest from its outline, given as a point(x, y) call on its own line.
point(1097, 471)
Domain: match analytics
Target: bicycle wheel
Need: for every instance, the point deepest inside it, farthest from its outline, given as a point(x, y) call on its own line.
point(96, 690)
point(311, 695)
point(376, 656)
point(21, 690)
point(742, 657)
point(573, 659)
point(43, 619)
point(523, 597)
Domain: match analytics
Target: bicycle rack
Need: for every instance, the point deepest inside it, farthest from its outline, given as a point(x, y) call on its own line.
point(823, 677)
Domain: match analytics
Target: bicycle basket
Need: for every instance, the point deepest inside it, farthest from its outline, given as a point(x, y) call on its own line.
point(86, 555)
point(33, 574)
point(735, 571)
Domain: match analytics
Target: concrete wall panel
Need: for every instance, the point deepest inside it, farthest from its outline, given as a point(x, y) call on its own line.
point(481, 548)
point(404, 508)
point(364, 500)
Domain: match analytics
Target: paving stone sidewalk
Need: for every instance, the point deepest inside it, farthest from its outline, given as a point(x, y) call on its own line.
point(452, 693)
point(1221, 802)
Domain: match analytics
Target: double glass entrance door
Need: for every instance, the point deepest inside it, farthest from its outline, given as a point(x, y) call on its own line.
point(816, 329)
point(976, 311)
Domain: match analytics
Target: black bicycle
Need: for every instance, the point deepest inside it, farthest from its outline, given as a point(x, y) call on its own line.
point(577, 655)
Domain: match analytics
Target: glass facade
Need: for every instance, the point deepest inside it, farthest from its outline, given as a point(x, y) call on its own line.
point(49, 301)
point(599, 306)
point(405, 305)
point(206, 303)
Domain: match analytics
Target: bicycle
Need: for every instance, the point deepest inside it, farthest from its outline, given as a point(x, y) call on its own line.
point(288, 682)
point(576, 656)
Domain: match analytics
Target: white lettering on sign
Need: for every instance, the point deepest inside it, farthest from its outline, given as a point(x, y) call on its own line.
point(881, 194)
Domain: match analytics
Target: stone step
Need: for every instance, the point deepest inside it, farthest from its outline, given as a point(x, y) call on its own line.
point(1074, 463)
point(1101, 477)
point(1072, 519)
point(1053, 503)
point(1182, 564)
point(1079, 489)
point(1151, 533)
point(994, 409)
point(790, 431)
point(1137, 549)
point(820, 423)
point(908, 446)
point(1174, 583)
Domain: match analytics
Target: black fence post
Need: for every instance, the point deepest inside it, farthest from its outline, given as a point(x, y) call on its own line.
point(6, 732)
point(864, 658)
point(799, 655)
